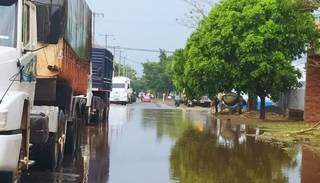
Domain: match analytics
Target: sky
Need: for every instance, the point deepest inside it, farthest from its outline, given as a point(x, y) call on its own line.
point(149, 24)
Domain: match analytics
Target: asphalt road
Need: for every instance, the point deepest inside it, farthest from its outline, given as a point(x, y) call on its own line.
point(91, 165)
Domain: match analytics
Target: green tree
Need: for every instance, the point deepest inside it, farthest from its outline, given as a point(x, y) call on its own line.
point(139, 85)
point(248, 45)
point(156, 76)
point(121, 70)
point(175, 68)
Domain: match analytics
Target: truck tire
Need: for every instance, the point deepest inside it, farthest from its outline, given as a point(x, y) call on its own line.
point(62, 136)
point(6, 177)
point(53, 152)
point(70, 145)
point(104, 115)
point(95, 117)
point(46, 155)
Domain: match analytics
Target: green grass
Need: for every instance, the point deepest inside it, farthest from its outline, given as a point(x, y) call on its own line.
point(285, 133)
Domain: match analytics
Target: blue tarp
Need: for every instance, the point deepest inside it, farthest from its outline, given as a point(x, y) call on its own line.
point(7, 2)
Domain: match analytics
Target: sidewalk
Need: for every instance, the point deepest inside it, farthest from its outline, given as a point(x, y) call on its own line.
point(181, 107)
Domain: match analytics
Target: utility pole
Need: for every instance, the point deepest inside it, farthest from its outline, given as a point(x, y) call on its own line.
point(106, 38)
point(114, 63)
point(119, 65)
point(125, 68)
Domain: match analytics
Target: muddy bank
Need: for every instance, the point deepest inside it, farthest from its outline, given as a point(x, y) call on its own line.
point(279, 130)
point(286, 134)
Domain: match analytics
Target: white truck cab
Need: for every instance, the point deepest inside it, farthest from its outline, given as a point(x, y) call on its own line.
point(121, 90)
point(17, 80)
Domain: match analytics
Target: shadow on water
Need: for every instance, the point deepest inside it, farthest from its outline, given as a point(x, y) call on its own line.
point(89, 165)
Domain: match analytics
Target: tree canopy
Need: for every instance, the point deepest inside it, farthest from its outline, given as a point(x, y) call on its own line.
point(247, 46)
point(156, 76)
point(125, 70)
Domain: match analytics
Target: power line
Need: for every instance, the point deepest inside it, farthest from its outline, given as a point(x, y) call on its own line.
point(134, 61)
point(140, 49)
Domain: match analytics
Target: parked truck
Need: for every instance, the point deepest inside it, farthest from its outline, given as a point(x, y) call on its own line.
point(45, 50)
point(100, 85)
point(121, 90)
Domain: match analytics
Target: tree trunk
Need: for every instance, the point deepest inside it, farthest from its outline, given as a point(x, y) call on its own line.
point(252, 102)
point(213, 104)
point(239, 103)
point(263, 107)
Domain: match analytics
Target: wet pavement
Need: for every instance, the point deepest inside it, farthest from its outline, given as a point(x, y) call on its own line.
point(155, 143)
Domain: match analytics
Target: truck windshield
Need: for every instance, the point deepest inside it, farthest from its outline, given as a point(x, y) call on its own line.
point(8, 27)
point(118, 85)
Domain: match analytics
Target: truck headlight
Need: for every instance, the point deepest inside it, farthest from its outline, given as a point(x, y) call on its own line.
point(3, 118)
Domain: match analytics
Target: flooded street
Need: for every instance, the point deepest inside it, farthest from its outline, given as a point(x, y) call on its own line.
point(156, 143)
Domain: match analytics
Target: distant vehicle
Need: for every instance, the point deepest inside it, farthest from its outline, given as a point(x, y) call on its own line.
point(121, 90)
point(146, 98)
point(177, 100)
point(151, 95)
point(140, 95)
point(205, 101)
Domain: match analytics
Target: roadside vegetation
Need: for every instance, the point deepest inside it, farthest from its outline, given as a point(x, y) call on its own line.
point(155, 78)
point(241, 46)
point(246, 47)
point(124, 70)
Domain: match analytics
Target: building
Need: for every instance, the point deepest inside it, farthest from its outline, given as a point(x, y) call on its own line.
point(312, 95)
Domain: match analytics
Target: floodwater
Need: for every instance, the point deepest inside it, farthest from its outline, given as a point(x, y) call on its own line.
point(152, 143)
point(89, 165)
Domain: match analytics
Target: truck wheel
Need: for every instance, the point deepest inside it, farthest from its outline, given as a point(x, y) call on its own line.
point(46, 155)
point(70, 145)
point(52, 151)
point(104, 115)
point(95, 117)
point(61, 136)
point(6, 177)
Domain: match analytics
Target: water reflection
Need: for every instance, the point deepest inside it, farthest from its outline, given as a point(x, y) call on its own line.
point(156, 145)
point(172, 123)
point(96, 154)
point(223, 153)
point(90, 165)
